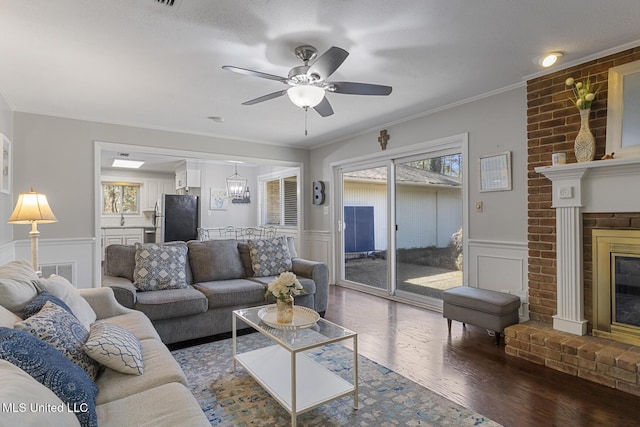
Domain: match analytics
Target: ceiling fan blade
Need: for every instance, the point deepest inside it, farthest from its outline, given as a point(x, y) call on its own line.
point(266, 97)
point(254, 73)
point(324, 108)
point(351, 88)
point(327, 63)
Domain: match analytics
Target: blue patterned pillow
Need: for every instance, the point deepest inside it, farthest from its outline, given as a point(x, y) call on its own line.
point(270, 257)
point(53, 370)
point(36, 304)
point(115, 347)
point(160, 267)
point(64, 332)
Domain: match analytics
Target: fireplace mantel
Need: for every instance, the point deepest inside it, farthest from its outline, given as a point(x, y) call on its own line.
point(599, 186)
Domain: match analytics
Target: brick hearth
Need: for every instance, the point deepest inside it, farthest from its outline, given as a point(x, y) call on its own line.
point(552, 125)
point(603, 361)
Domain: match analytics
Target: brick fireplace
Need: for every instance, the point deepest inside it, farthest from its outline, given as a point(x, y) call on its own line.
point(564, 204)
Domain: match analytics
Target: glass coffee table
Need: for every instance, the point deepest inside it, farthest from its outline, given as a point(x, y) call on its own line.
point(294, 379)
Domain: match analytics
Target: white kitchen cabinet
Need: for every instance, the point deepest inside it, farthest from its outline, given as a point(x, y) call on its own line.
point(155, 188)
point(187, 176)
point(121, 236)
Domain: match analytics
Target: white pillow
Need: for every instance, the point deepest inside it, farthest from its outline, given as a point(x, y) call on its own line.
point(60, 287)
point(19, 390)
point(16, 285)
point(7, 318)
point(115, 347)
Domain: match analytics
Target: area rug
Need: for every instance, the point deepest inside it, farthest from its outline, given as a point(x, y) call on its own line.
point(386, 398)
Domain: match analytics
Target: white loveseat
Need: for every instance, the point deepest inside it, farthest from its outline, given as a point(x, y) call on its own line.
point(157, 397)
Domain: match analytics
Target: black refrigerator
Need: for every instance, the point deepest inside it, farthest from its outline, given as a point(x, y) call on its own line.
point(178, 217)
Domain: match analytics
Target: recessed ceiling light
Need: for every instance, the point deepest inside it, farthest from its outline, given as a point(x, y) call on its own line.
point(130, 164)
point(216, 119)
point(549, 59)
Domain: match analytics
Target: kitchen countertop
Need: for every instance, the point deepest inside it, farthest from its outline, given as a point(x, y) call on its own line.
point(118, 227)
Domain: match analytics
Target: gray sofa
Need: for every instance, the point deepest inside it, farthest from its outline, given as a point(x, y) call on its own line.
point(220, 277)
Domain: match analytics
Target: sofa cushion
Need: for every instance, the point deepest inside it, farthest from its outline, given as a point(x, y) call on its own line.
point(115, 348)
point(137, 323)
point(228, 293)
point(215, 260)
point(7, 318)
point(168, 405)
point(61, 288)
point(16, 285)
point(171, 303)
point(160, 267)
point(52, 369)
point(270, 257)
point(36, 304)
point(159, 368)
point(55, 326)
point(19, 390)
point(245, 257)
point(120, 261)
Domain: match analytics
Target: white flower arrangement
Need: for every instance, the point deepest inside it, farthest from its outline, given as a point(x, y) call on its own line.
point(284, 286)
point(583, 92)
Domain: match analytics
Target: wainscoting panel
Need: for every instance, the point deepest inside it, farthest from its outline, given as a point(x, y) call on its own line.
point(499, 266)
point(71, 257)
point(318, 248)
point(7, 252)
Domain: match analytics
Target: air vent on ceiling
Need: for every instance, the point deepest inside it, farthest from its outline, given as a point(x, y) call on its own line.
point(167, 2)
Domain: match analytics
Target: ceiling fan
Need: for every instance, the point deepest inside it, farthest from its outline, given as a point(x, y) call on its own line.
point(307, 83)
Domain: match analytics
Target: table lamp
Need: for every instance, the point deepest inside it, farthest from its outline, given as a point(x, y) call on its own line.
point(32, 208)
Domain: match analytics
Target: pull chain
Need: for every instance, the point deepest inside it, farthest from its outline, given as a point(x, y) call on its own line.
point(305, 120)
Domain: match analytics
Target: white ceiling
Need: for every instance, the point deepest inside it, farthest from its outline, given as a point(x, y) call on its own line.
point(142, 63)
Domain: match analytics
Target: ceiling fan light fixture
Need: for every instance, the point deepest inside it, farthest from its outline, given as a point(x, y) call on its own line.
point(305, 96)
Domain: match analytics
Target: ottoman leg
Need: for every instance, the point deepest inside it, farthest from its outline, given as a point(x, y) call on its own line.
point(449, 325)
point(498, 338)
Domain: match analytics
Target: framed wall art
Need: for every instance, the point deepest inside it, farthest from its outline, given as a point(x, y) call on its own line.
point(219, 199)
point(6, 167)
point(495, 172)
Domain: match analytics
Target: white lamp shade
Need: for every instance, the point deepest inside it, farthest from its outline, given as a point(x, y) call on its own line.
point(32, 207)
point(305, 95)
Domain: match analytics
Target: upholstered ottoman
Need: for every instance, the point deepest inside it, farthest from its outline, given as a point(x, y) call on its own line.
point(480, 307)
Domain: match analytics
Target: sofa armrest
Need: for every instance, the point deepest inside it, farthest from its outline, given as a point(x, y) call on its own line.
point(319, 273)
point(123, 290)
point(103, 302)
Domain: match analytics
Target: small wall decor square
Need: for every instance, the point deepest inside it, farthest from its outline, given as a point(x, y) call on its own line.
point(5, 166)
point(495, 172)
point(219, 199)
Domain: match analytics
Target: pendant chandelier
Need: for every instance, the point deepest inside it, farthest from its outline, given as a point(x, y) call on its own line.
point(236, 185)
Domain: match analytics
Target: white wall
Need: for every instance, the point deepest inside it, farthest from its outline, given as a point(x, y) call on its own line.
point(56, 156)
point(236, 214)
point(494, 124)
point(6, 200)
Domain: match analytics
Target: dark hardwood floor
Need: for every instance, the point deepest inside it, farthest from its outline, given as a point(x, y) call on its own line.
point(469, 369)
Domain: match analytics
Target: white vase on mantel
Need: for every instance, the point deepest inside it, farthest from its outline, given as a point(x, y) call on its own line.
point(585, 144)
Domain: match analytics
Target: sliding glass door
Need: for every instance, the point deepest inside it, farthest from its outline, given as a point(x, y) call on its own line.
point(400, 223)
point(365, 226)
point(428, 213)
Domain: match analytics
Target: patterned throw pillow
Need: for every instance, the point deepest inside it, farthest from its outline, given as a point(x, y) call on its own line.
point(160, 267)
point(55, 326)
point(61, 288)
point(270, 257)
point(50, 368)
point(115, 347)
point(36, 304)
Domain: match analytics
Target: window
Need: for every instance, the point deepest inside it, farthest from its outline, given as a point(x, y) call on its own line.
point(279, 199)
point(120, 198)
